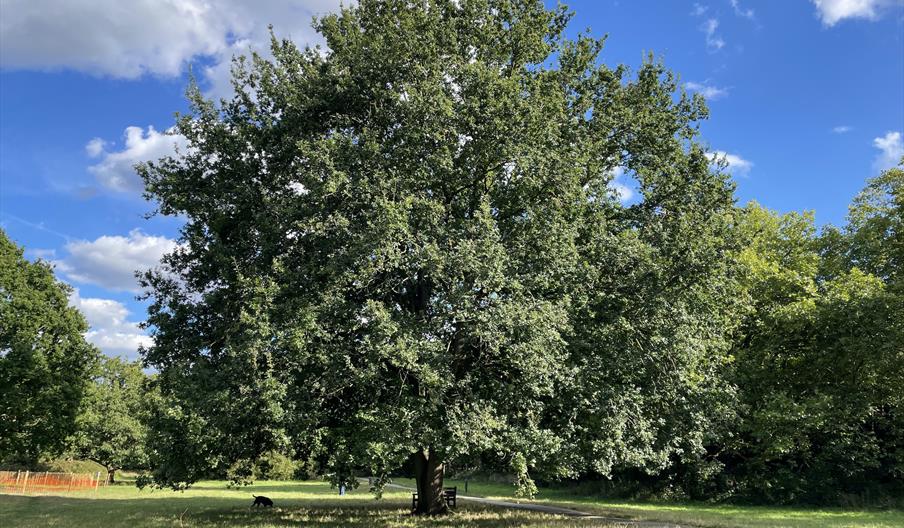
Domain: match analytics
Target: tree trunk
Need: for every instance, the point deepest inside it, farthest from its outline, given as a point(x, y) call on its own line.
point(110, 473)
point(428, 472)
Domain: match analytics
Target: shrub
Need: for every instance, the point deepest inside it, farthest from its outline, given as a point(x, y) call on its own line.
point(275, 466)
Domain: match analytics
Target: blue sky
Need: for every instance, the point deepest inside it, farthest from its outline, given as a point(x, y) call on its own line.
point(806, 101)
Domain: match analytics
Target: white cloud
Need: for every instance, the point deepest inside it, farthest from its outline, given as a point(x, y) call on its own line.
point(621, 191)
point(892, 149)
point(714, 42)
point(699, 10)
point(95, 147)
point(138, 37)
point(841, 129)
point(619, 187)
point(833, 11)
point(737, 165)
point(110, 329)
point(710, 92)
point(116, 170)
point(742, 12)
point(111, 261)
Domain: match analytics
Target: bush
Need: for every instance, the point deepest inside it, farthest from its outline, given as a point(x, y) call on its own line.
point(275, 466)
point(307, 470)
point(272, 465)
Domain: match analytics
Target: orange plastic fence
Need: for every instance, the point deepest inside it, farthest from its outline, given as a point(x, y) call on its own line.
point(36, 482)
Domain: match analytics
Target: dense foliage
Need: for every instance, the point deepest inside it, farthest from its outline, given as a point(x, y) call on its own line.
point(112, 419)
point(820, 356)
point(44, 358)
point(817, 363)
point(408, 244)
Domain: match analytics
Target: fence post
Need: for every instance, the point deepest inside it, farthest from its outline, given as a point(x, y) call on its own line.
point(96, 481)
point(25, 482)
point(17, 477)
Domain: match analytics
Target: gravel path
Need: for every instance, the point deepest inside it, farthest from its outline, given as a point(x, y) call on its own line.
point(556, 510)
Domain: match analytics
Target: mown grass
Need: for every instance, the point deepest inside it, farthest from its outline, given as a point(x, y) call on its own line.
point(697, 514)
point(212, 504)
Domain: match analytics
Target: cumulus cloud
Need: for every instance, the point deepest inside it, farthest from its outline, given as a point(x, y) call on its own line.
point(699, 10)
point(116, 169)
point(122, 39)
point(109, 327)
point(841, 129)
point(710, 92)
point(714, 42)
point(737, 165)
point(891, 149)
point(138, 37)
point(833, 11)
point(111, 261)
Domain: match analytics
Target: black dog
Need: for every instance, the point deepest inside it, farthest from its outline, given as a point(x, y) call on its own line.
point(262, 501)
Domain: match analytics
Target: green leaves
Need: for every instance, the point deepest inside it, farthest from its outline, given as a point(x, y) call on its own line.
point(818, 357)
point(44, 360)
point(111, 425)
point(407, 243)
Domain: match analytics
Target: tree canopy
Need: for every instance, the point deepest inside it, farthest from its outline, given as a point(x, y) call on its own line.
point(111, 423)
point(818, 359)
point(44, 358)
point(409, 242)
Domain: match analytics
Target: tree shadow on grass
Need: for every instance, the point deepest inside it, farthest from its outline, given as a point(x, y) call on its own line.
point(209, 512)
point(292, 490)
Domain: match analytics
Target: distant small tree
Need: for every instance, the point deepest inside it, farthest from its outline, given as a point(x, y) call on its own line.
point(111, 428)
point(44, 358)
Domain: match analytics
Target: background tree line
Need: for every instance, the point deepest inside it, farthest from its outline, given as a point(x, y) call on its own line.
point(59, 397)
point(406, 252)
point(816, 365)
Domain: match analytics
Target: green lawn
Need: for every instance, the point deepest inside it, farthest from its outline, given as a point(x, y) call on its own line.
point(697, 514)
point(211, 503)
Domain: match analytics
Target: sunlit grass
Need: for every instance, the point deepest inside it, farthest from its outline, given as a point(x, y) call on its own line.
point(699, 514)
point(213, 504)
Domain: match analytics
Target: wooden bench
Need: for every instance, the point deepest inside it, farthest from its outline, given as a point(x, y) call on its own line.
point(450, 495)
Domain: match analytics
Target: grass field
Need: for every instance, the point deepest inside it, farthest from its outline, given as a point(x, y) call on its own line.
point(212, 504)
point(696, 514)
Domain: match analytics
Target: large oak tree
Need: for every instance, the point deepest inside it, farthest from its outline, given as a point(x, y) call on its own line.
point(408, 244)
